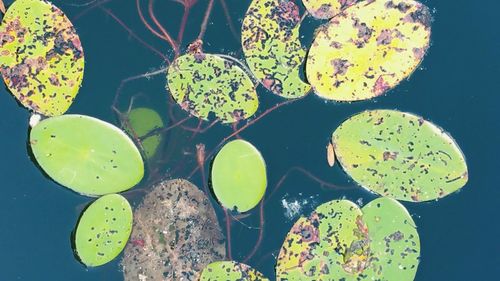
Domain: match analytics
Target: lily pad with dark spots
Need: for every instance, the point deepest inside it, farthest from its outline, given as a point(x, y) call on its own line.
point(230, 271)
point(175, 234)
point(400, 155)
point(325, 9)
point(270, 40)
point(87, 155)
point(368, 49)
point(103, 230)
point(41, 57)
point(205, 84)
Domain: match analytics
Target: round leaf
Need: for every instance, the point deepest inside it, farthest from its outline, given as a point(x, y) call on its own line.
point(41, 56)
point(88, 155)
point(368, 49)
point(103, 230)
point(239, 176)
point(231, 271)
point(175, 233)
point(141, 121)
point(395, 246)
point(400, 155)
point(270, 40)
point(204, 83)
point(325, 9)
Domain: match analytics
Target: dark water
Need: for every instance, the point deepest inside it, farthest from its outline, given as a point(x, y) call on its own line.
point(457, 87)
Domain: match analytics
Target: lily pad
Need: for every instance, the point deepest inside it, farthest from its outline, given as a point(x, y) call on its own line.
point(231, 271)
point(325, 9)
point(368, 49)
point(340, 241)
point(270, 40)
point(395, 246)
point(87, 155)
point(103, 230)
point(204, 83)
point(175, 234)
point(141, 121)
point(400, 155)
point(239, 177)
point(41, 57)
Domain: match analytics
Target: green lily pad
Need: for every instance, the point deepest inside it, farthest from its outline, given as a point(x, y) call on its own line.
point(400, 155)
point(204, 83)
point(87, 155)
point(103, 230)
point(231, 271)
point(325, 9)
point(239, 177)
point(395, 246)
point(340, 241)
point(141, 121)
point(270, 40)
point(41, 57)
point(368, 49)
point(175, 234)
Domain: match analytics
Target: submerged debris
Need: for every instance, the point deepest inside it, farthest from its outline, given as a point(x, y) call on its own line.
point(175, 234)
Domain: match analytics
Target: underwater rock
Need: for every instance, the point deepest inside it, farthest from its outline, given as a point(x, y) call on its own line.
point(175, 234)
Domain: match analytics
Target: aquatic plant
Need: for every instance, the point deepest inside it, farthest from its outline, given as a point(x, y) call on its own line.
point(103, 230)
point(231, 271)
point(140, 122)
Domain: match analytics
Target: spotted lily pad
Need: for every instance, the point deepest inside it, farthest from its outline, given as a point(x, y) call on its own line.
point(175, 234)
point(368, 49)
point(141, 121)
point(87, 155)
point(231, 271)
point(340, 241)
point(41, 57)
point(204, 83)
point(270, 39)
point(325, 9)
point(103, 230)
point(239, 177)
point(400, 155)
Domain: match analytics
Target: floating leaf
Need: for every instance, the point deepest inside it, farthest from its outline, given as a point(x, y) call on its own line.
point(175, 233)
point(340, 241)
point(41, 56)
point(205, 83)
point(231, 271)
point(88, 155)
point(325, 9)
point(142, 121)
point(400, 155)
point(103, 230)
point(270, 39)
point(239, 176)
point(395, 246)
point(368, 49)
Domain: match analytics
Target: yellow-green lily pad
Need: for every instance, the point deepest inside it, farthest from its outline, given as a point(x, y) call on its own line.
point(103, 230)
point(325, 9)
point(87, 155)
point(400, 155)
point(230, 271)
point(270, 40)
point(368, 49)
point(41, 57)
point(204, 83)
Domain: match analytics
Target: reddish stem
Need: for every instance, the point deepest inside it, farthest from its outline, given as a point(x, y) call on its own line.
point(132, 33)
point(165, 129)
point(228, 234)
point(261, 234)
point(205, 20)
point(166, 35)
point(148, 26)
point(88, 9)
point(182, 28)
point(229, 19)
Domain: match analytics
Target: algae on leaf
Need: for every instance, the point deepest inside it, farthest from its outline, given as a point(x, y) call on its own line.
point(270, 40)
point(41, 58)
point(205, 83)
point(103, 230)
point(400, 155)
point(87, 155)
point(368, 49)
point(175, 234)
point(230, 271)
point(325, 9)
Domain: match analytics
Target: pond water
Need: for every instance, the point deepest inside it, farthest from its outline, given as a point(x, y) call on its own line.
point(454, 87)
